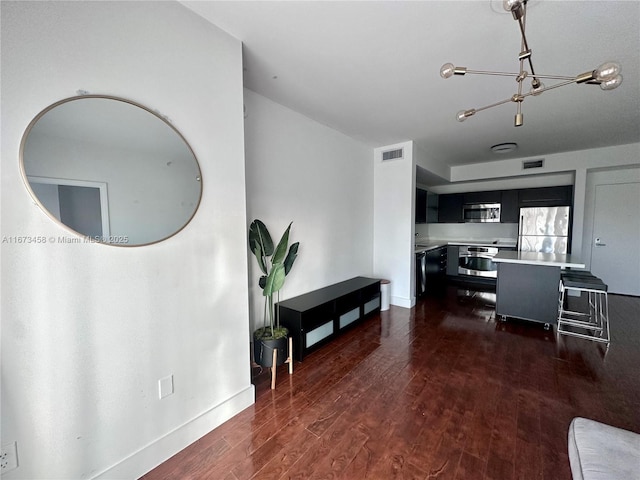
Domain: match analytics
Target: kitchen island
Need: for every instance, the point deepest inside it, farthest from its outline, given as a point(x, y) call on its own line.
point(528, 284)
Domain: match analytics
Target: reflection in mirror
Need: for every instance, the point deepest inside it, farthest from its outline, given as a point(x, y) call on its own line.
point(111, 169)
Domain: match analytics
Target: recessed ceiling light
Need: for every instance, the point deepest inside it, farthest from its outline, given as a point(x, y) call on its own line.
point(504, 147)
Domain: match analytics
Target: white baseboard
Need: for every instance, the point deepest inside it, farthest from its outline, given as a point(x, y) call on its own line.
point(402, 302)
point(152, 455)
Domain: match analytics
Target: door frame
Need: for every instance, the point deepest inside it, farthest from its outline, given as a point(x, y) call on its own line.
point(593, 232)
point(101, 186)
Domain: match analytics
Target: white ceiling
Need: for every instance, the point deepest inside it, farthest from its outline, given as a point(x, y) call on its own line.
point(371, 70)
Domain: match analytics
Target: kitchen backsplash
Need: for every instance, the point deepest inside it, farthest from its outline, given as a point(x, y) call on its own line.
point(467, 231)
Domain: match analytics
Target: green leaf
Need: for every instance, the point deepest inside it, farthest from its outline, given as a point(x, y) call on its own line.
point(258, 253)
point(281, 249)
point(259, 235)
point(262, 281)
point(291, 257)
point(275, 280)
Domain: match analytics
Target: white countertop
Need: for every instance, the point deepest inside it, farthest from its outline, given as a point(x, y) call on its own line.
point(426, 245)
point(536, 258)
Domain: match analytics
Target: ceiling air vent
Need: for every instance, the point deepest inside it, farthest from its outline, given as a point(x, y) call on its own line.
point(504, 147)
point(392, 154)
point(533, 164)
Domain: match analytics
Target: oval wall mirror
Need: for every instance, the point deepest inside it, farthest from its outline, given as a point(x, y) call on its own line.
point(111, 170)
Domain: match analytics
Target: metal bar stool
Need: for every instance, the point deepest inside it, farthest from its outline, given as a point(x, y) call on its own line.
point(572, 275)
point(592, 323)
point(575, 275)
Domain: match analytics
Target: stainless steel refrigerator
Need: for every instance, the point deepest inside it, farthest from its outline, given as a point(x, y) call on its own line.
point(544, 229)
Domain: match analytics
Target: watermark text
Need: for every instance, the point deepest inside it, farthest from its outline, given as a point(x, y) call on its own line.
point(42, 239)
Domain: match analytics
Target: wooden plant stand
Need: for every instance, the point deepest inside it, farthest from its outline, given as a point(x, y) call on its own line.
point(289, 360)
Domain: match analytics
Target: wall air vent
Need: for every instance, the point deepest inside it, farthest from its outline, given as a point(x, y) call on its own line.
point(392, 154)
point(533, 164)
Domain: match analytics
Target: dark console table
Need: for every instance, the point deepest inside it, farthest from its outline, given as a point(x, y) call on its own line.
point(315, 318)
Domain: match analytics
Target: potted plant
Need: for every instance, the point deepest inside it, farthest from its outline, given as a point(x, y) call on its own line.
point(275, 264)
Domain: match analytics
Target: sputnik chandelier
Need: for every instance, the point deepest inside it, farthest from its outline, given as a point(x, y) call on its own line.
point(606, 75)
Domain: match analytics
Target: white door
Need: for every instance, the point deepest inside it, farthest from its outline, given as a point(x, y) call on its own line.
point(615, 245)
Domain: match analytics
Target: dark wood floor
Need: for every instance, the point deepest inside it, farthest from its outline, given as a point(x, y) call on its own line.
point(439, 391)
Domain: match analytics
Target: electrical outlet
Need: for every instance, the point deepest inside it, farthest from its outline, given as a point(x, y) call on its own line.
point(8, 457)
point(165, 387)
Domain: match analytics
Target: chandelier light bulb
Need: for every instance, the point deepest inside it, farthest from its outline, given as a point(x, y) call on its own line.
point(447, 70)
point(607, 71)
point(611, 83)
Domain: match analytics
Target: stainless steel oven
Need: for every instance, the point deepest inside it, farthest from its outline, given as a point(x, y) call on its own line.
point(481, 212)
point(477, 261)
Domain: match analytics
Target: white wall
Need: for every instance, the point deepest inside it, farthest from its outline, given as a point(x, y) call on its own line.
point(619, 156)
point(435, 167)
point(394, 227)
point(321, 180)
point(505, 183)
point(88, 329)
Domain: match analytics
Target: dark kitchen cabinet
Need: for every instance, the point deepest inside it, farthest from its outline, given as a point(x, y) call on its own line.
point(421, 206)
point(421, 273)
point(432, 207)
point(426, 206)
point(450, 208)
point(431, 270)
point(510, 209)
point(452, 260)
point(437, 271)
point(492, 196)
point(436, 264)
point(450, 205)
point(546, 196)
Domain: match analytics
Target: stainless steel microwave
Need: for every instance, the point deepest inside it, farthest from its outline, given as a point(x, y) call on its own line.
point(481, 212)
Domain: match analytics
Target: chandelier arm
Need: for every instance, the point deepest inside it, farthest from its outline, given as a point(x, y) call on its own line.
point(525, 49)
point(510, 74)
point(522, 25)
point(520, 79)
point(525, 44)
point(557, 85)
point(487, 72)
point(555, 77)
point(533, 72)
point(508, 100)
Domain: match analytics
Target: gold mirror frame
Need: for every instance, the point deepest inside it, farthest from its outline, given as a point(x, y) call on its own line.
point(97, 153)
